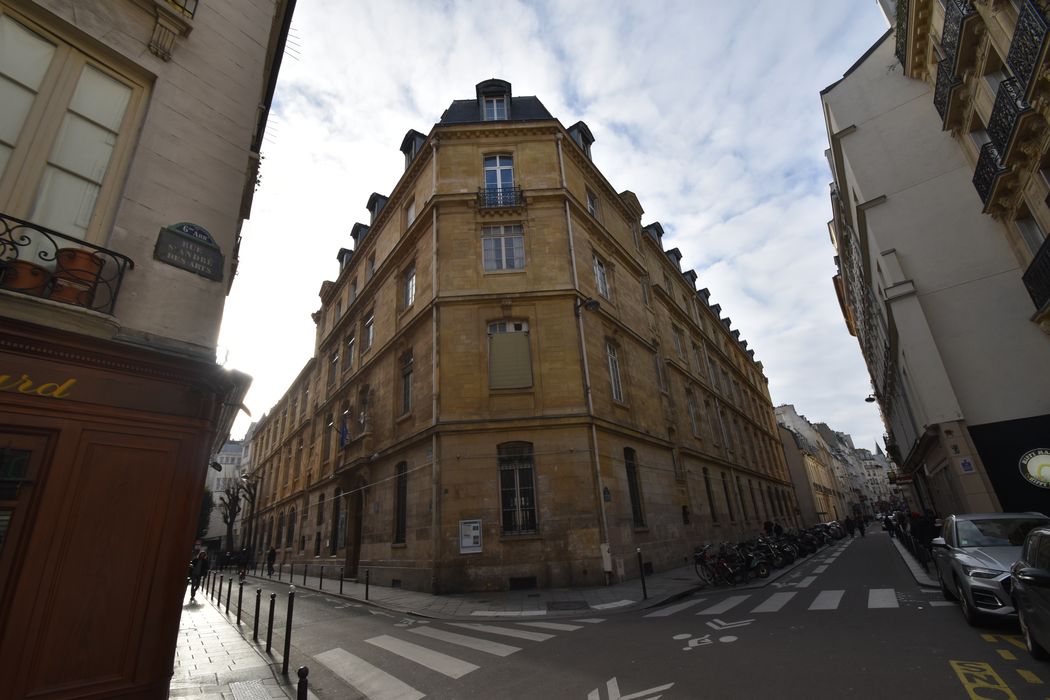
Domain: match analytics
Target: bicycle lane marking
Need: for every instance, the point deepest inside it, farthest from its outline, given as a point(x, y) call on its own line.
point(672, 609)
point(980, 681)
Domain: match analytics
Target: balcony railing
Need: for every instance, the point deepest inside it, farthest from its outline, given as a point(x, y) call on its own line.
point(1009, 105)
point(989, 168)
point(942, 92)
point(1026, 48)
point(39, 262)
point(955, 13)
point(902, 33)
point(495, 197)
point(1037, 277)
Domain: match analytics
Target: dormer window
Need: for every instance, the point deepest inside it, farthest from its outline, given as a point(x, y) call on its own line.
point(495, 108)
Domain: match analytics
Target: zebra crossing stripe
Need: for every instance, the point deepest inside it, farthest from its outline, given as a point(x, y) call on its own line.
point(804, 583)
point(372, 682)
point(774, 602)
point(556, 626)
point(591, 620)
point(820, 569)
point(882, 598)
point(505, 631)
point(434, 660)
point(672, 609)
point(476, 643)
point(725, 606)
point(827, 600)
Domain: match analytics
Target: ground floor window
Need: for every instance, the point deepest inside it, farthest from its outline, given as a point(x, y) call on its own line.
point(517, 488)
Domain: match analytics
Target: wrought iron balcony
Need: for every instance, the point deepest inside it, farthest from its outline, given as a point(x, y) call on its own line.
point(989, 168)
point(497, 197)
point(946, 84)
point(1009, 105)
point(902, 32)
point(1026, 48)
point(956, 12)
point(39, 262)
point(1037, 277)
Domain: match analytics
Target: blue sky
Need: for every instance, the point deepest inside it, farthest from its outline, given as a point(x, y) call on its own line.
point(709, 111)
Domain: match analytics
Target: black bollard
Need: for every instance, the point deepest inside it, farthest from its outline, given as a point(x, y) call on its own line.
point(300, 691)
point(367, 572)
point(229, 594)
point(221, 580)
point(240, 599)
point(305, 567)
point(255, 625)
point(641, 571)
point(340, 580)
point(320, 581)
point(288, 631)
point(269, 625)
point(279, 567)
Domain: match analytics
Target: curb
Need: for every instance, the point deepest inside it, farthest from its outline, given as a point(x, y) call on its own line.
point(922, 578)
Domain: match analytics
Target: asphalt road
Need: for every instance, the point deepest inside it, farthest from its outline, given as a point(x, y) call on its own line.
point(849, 622)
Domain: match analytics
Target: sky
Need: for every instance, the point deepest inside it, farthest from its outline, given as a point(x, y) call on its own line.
point(709, 111)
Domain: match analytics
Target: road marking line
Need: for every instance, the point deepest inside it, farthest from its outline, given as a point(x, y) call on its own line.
point(1013, 639)
point(557, 626)
point(476, 643)
point(672, 609)
point(882, 598)
point(1008, 655)
point(505, 631)
point(617, 604)
point(827, 600)
point(591, 620)
point(1030, 677)
point(372, 682)
point(820, 569)
point(774, 602)
point(507, 613)
point(978, 676)
point(804, 583)
point(434, 660)
point(725, 606)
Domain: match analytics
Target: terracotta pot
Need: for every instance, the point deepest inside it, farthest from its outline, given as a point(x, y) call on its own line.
point(23, 276)
point(72, 293)
point(77, 265)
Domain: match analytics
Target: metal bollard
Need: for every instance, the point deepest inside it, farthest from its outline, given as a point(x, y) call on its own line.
point(240, 599)
point(305, 567)
point(320, 581)
point(367, 573)
point(269, 625)
point(221, 580)
point(229, 594)
point(300, 691)
point(288, 631)
point(340, 580)
point(255, 625)
point(641, 571)
point(279, 567)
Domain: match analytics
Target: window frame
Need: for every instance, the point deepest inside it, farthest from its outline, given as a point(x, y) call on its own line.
point(368, 331)
point(634, 488)
point(615, 377)
point(502, 233)
point(408, 286)
point(516, 458)
point(506, 326)
point(496, 102)
point(601, 276)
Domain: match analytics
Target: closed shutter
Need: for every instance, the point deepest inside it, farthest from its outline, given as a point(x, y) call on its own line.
point(510, 364)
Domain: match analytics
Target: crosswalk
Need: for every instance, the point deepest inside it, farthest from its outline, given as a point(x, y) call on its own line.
point(375, 683)
point(765, 602)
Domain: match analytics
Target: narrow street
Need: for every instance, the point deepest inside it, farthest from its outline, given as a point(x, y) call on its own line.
point(849, 621)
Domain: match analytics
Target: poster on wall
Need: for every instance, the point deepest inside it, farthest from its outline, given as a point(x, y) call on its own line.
point(469, 536)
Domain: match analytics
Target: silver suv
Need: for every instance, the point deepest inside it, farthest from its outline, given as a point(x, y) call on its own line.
point(973, 559)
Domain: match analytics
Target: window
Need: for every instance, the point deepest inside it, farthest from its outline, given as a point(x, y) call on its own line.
point(614, 371)
point(348, 355)
point(410, 213)
point(338, 539)
point(344, 425)
point(408, 287)
point(499, 178)
point(510, 359)
point(503, 247)
point(495, 108)
point(279, 540)
point(291, 528)
point(729, 499)
point(743, 503)
point(353, 291)
point(645, 290)
point(320, 508)
point(370, 269)
point(592, 204)
point(333, 369)
point(368, 332)
point(77, 145)
point(517, 488)
point(690, 402)
point(600, 278)
point(400, 502)
point(326, 439)
point(698, 359)
point(676, 334)
point(406, 382)
point(298, 460)
point(1031, 234)
point(710, 495)
point(631, 466)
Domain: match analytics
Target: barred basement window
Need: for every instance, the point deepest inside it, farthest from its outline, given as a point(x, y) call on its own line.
point(510, 360)
point(517, 488)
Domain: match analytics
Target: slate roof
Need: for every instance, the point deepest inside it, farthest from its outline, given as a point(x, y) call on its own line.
point(521, 109)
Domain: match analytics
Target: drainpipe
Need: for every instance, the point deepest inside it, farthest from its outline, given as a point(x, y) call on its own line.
point(435, 475)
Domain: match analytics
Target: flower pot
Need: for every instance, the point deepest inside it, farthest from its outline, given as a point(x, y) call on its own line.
point(77, 265)
point(23, 276)
point(71, 292)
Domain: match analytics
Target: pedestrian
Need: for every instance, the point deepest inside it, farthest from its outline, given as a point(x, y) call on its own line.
point(888, 522)
point(198, 570)
point(271, 557)
point(850, 526)
point(860, 525)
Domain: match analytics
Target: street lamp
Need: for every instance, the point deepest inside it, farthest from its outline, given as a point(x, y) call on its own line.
point(870, 398)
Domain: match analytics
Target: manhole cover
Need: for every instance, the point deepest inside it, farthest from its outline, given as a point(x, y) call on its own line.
point(567, 605)
point(249, 690)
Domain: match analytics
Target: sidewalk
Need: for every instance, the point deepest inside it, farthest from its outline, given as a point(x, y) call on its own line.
point(213, 660)
point(924, 578)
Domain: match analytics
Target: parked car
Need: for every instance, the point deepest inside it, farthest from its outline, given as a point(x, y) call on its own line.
point(973, 557)
point(1030, 578)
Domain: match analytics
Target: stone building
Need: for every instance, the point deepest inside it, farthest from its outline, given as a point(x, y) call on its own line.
point(820, 479)
point(939, 152)
point(514, 383)
point(129, 143)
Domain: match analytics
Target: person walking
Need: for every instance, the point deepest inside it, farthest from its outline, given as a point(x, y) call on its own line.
point(271, 557)
point(860, 525)
point(888, 522)
point(851, 527)
point(198, 570)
